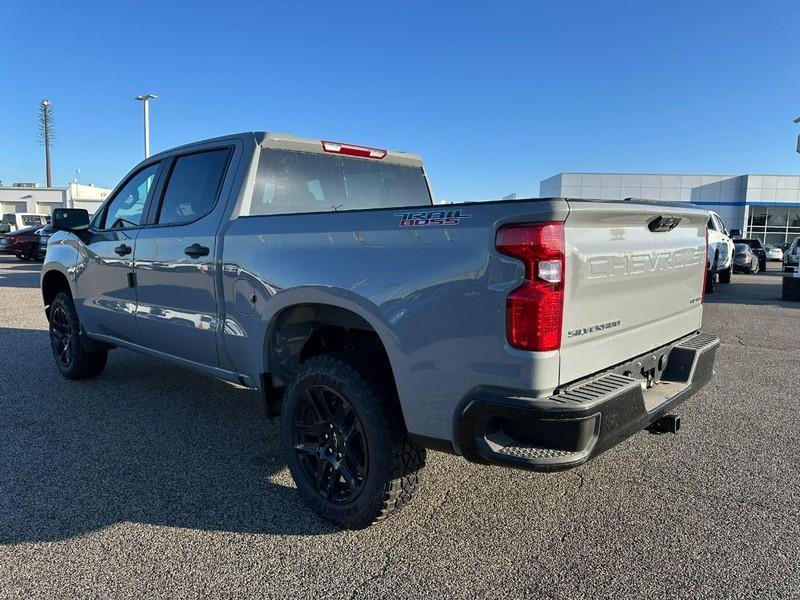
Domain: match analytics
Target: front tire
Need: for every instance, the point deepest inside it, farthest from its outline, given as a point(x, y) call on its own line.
point(345, 443)
point(711, 276)
point(72, 360)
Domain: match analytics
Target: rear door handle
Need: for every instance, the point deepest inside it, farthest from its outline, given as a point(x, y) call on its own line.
point(196, 250)
point(123, 250)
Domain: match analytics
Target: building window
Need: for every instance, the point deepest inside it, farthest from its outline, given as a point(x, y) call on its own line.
point(774, 224)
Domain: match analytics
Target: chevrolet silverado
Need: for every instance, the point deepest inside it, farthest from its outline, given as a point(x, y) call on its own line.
point(531, 333)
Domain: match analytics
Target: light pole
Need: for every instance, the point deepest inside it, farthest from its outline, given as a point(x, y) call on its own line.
point(145, 99)
point(797, 120)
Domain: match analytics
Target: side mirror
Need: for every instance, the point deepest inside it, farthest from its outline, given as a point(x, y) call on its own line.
point(70, 219)
point(736, 233)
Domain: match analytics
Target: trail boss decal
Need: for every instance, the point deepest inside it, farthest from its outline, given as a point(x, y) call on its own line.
point(431, 218)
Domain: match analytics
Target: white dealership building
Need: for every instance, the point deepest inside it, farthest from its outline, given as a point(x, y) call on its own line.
point(30, 198)
point(766, 207)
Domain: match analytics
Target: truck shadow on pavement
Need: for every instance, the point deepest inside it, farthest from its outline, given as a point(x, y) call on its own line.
point(21, 275)
point(143, 442)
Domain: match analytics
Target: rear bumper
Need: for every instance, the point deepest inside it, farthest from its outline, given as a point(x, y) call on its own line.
point(583, 420)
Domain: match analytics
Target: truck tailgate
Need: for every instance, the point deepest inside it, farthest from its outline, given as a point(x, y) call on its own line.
point(630, 286)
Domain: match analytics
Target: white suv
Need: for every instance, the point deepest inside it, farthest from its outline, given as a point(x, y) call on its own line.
point(720, 252)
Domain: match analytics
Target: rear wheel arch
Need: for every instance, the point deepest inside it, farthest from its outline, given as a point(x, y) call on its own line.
point(302, 331)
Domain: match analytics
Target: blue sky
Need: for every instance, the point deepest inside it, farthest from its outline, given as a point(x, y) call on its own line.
point(495, 96)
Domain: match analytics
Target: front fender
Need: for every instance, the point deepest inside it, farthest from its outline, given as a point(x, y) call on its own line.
point(61, 257)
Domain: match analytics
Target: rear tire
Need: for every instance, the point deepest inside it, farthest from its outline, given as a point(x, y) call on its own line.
point(345, 443)
point(725, 276)
point(72, 360)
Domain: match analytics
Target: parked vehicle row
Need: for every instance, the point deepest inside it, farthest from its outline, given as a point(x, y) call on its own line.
point(15, 221)
point(27, 243)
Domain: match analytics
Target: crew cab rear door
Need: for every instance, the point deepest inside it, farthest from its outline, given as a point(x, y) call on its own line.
point(634, 278)
point(175, 265)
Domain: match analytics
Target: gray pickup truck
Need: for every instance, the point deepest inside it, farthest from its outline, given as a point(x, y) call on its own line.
point(526, 333)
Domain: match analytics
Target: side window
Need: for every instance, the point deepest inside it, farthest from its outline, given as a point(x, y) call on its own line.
point(193, 186)
point(127, 207)
point(711, 225)
point(720, 224)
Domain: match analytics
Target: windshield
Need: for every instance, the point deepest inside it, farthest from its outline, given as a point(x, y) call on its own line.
point(303, 182)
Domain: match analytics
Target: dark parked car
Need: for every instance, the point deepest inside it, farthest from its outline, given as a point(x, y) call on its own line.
point(744, 259)
point(23, 243)
point(44, 235)
point(757, 247)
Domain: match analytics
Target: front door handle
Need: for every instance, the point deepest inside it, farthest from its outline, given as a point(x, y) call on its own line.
point(123, 250)
point(196, 250)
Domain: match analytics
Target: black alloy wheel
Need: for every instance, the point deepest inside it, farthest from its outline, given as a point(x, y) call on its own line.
point(72, 357)
point(345, 440)
point(329, 440)
point(61, 337)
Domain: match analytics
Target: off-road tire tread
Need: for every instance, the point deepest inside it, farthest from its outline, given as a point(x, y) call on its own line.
point(86, 364)
point(407, 459)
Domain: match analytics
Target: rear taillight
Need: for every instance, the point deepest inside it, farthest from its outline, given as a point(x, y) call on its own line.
point(534, 310)
point(351, 150)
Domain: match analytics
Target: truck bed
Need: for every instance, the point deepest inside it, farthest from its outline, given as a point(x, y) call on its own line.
point(436, 294)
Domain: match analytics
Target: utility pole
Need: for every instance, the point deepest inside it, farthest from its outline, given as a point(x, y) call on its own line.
point(145, 100)
point(46, 135)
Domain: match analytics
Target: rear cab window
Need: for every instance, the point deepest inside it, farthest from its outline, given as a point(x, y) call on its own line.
point(193, 186)
point(290, 181)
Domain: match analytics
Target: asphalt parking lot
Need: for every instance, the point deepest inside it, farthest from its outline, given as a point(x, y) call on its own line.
point(153, 481)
